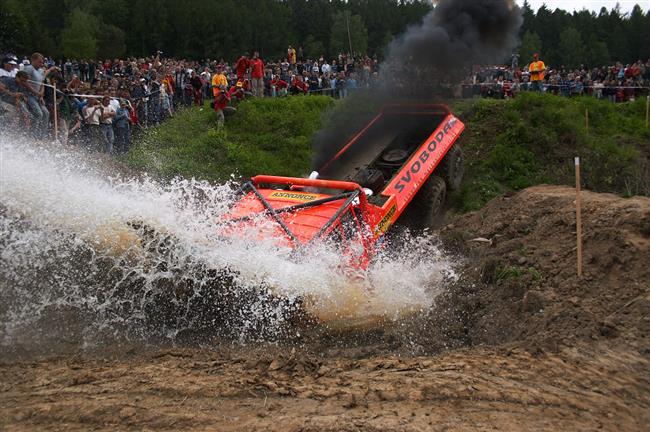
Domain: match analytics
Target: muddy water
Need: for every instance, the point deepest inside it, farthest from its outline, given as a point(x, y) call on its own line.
point(89, 257)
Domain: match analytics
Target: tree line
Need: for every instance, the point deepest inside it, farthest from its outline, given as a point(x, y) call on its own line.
point(197, 29)
point(585, 37)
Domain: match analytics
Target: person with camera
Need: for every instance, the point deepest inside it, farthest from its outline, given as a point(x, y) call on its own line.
point(92, 114)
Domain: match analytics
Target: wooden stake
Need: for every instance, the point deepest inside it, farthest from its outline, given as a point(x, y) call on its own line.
point(587, 120)
point(578, 217)
point(647, 110)
point(56, 115)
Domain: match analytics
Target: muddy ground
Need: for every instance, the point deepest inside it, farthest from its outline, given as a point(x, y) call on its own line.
point(518, 343)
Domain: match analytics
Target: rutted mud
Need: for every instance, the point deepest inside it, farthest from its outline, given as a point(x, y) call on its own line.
point(519, 342)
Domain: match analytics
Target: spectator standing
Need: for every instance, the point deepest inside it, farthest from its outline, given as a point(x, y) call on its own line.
point(37, 75)
point(83, 70)
point(166, 107)
point(206, 77)
point(537, 71)
point(514, 65)
point(291, 55)
point(154, 99)
point(220, 104)
point(106, 123)
point(197, 85)
point(122, 128)
point(168, 83)
point(326, 68)
point(257, 75)
point(92, 115)
point(313, 82)
point(219, 81)
point(241, 67)
point(179, 85)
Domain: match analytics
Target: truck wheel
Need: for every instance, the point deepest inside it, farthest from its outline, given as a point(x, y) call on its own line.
point(452, 168)
point(426, 209)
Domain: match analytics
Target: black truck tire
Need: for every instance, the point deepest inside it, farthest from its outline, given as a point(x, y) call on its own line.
point(426, 209)
point(452, 168)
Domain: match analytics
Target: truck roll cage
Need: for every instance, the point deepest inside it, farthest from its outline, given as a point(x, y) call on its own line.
point(352, 192)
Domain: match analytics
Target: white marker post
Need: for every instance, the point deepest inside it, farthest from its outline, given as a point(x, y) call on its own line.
point(578, 217)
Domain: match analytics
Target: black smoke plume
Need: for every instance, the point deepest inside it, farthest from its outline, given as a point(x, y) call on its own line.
point(424, 63)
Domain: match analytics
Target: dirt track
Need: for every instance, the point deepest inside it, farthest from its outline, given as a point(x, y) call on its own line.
point(521, 344)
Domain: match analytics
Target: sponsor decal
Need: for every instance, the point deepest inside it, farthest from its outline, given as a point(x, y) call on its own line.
point(419, 163)
point(293, 196)
point(384, 223)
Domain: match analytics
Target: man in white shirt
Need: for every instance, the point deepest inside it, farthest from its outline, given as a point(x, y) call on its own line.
point(9, 67)
point(92, 114)
point(106, 123)
point(325, 67)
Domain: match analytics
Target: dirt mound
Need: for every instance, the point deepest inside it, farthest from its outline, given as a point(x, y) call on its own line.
point(520, 283)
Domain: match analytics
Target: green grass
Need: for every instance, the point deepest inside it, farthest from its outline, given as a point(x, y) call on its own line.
point(510, 145)
point(265, 136)
point(517, 272)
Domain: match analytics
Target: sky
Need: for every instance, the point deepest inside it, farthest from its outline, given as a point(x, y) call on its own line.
point(595, 5)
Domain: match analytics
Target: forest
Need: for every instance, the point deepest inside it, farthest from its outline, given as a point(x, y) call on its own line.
point(199, 29)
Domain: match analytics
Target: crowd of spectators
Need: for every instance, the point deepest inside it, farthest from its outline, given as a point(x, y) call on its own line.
point(99, 104)
point(617, 83)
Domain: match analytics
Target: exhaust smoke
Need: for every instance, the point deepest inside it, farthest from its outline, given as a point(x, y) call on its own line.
point(423, 62)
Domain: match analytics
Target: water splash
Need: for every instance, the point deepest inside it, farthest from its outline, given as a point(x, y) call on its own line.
point(87, 252)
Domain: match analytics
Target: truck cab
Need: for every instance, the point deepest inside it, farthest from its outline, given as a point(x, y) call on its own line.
point(405, 157)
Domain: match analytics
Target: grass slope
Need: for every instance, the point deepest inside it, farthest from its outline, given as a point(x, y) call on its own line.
point(266, 136)
point(508, 145)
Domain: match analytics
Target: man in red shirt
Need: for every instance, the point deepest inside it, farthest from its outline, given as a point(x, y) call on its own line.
point(257, 75)
point(237, 91)
point(279, 86)
point(241, 66)
point(221, 102)
point(299, 85)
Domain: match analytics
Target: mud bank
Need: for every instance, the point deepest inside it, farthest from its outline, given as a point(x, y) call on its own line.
point(517, 343)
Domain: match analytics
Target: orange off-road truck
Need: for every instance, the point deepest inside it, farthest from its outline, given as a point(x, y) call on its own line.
point(397, 168)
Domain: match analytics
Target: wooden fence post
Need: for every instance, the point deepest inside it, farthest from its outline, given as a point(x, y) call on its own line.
point(578, 217)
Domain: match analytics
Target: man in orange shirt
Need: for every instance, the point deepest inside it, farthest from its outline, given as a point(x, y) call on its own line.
point(291, 54)
point(219, 82)
point(537, 71)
